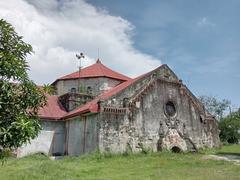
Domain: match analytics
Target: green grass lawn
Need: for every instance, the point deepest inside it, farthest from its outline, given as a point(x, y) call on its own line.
point(141, 166)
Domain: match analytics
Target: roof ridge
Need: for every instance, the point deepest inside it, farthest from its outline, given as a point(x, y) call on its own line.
point(100, 66)
point(95, 70)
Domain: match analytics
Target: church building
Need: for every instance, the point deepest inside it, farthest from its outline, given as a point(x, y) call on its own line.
point(100, 109)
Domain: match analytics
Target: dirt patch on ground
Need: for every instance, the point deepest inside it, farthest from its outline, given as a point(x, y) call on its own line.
point(225, 157)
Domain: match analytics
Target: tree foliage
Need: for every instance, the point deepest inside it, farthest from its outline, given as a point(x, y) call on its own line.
point(214, 106)
point(20, 98)
point(230, 128)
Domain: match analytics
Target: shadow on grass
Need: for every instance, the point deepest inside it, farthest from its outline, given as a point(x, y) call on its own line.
point(228, 153)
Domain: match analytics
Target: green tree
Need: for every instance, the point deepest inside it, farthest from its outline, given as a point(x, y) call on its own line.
point(214, 106)
point(20, 98)
point(230, 128)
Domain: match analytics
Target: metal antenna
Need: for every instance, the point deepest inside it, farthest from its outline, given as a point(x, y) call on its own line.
point(79, 57)
point(98, 53)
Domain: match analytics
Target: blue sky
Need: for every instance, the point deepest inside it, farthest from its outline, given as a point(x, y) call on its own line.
point(199, 40)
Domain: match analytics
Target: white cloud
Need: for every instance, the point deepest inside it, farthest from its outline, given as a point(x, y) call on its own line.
point(57, 30)
point(205, 22)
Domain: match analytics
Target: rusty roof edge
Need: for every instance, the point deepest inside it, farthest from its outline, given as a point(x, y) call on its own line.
point(66, 117)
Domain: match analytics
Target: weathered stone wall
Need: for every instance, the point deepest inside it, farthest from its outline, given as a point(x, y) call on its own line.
point(114, 133)
point(147, 126)
point(117, 100)
point(185, 130)
point(81, 135)
point(50, 140)
point(98, 85)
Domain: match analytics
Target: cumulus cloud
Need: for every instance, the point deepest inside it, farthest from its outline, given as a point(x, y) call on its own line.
point(58, 30)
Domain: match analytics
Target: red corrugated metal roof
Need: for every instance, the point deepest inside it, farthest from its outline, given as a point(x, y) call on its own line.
point(92, 106)
point(53, 110)
point(95, 70)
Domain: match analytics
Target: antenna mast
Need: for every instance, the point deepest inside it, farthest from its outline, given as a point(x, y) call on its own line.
point(79, 57)
point(98, 53)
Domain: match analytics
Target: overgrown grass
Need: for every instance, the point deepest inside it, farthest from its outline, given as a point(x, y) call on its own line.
point(140, 166)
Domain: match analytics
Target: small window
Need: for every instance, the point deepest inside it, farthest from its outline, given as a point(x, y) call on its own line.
point(125, 102)
point(170, 109)
point(73, 90)
point(89, 90)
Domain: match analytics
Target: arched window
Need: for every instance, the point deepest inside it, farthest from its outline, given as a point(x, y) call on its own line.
point(170, 109)
point(125, 102)
point(73, 90)
point(89, 90)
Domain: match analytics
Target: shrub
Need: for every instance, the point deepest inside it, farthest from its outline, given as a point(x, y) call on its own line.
point(230, 128)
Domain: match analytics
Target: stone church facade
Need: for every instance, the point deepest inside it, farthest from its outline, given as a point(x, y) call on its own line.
point(100, 109)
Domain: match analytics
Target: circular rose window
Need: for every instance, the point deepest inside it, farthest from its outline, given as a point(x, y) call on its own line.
point(170, 109)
